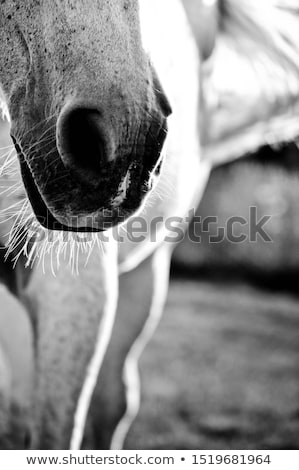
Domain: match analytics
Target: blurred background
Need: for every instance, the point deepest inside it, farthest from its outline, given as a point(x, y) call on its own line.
point(222, 371)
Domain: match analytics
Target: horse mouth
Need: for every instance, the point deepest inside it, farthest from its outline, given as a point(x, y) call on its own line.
point(43, 215)
point(136, 183)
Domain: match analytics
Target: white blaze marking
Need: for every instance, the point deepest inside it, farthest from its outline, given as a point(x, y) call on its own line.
point(122, 190)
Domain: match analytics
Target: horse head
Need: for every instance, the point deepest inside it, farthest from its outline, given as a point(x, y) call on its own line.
point(87, 111)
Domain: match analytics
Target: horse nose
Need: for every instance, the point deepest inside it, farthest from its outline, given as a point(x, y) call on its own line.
point(82, 141)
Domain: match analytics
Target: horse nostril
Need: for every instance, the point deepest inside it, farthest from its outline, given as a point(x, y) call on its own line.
point(80, 141)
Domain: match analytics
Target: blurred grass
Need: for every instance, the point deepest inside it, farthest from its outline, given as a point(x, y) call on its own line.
point(221, 371)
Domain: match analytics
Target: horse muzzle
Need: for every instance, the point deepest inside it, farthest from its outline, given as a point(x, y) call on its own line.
point(92, 175)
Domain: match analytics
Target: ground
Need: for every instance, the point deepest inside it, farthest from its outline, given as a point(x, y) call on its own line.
point(221, 371)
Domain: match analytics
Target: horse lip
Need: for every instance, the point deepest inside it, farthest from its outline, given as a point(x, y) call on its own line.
point(45, 216)
point(41, 211)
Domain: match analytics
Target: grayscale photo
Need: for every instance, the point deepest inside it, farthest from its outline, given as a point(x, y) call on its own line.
point(149, 230)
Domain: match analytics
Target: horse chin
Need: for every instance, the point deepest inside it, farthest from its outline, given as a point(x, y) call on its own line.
point(133, 189)
point(129, 200)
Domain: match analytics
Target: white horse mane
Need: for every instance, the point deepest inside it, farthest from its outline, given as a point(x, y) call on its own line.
point(251, 84)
